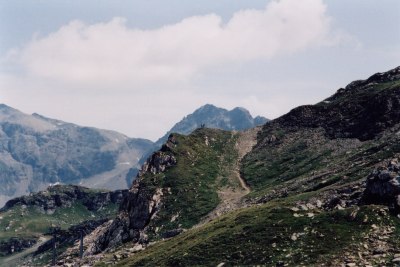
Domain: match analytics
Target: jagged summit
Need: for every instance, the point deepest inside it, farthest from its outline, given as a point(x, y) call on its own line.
point(211, 116)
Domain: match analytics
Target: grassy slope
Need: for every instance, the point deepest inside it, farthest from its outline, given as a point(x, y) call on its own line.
point(263, 235)
point(193, 183)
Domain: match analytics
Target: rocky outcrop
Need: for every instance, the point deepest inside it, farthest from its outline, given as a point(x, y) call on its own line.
point(139, 206)
point(59, 196)
point(383, 186)
point(361, 110)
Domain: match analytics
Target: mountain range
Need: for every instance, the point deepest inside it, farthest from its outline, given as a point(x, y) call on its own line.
point(318, 186)
point(36, 151)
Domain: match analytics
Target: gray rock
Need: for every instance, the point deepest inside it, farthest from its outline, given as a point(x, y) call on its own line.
point(383, 186)
point(139, 206)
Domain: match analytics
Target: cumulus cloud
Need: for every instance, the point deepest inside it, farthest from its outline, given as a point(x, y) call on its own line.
point(109, 53)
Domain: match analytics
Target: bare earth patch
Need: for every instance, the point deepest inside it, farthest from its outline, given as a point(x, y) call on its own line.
point(231, 195)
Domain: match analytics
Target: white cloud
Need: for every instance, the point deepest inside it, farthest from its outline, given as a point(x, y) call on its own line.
point(111, 53)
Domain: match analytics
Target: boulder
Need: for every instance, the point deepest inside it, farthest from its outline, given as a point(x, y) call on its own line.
point(383, 186)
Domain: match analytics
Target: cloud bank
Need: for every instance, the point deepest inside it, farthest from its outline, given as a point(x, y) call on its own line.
point(113, 53)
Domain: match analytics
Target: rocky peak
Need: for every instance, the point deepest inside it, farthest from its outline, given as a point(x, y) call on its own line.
point(211, 116)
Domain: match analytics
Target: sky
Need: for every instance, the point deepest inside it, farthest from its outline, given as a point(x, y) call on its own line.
point(138, 67)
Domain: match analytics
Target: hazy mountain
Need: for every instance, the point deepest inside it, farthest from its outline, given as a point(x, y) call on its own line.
point(210, 116)
point(36, 151)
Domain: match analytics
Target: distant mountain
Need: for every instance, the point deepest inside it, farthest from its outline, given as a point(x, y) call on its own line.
point(36, 151)
point(210, 116)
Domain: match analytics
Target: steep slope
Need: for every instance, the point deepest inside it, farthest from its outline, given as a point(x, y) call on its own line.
point(322, 173)
point(36, 151)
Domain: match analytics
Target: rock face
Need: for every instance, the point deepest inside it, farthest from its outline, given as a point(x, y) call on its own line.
point(36, 151)
point(59, 196)
point(383, 186)
point(139, 206)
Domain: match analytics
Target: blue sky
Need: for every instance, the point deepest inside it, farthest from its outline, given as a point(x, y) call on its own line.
point(140, 66)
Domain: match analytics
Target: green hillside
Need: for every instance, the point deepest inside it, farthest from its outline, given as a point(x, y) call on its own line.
point(310, 202)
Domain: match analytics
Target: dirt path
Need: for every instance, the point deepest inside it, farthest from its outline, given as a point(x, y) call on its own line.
point(13, 259)
point(245, 143)
point(231, 196)
point(243, 184)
